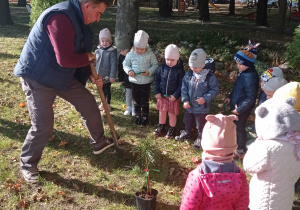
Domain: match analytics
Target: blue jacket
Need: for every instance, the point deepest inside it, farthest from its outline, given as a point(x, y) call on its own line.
point(208, 89)
point(106, 63)
point(244, 91)
point(168, 80)
point(38, 60)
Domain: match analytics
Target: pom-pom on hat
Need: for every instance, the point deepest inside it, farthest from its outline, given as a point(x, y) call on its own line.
point(219, 138)
point(291, 89)
point(247, 55)
point(172, 52)
point(141, 39)
point(197, 58)
point(123, 43)
point(270, 73)
point(105, 33)
point(274, 83)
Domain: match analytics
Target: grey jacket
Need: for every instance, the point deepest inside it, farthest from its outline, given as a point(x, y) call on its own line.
point(106, 63)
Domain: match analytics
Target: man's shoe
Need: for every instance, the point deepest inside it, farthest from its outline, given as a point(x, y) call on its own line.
point(183, 136)
point(104, 146)
point(30, 174)
point(170, 133)
point(197, 144)
point(159, 130)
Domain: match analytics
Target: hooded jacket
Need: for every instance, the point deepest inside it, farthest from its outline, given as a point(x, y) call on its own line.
point(210, 190)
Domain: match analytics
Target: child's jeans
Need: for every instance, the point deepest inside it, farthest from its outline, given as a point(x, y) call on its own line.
point(129, 99)
point(163, 118)
point(141, 95)
point(188, 120)
point(241, 133)
point(106, 91)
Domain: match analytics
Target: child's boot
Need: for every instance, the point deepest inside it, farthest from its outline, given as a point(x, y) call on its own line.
point(144, 121)
point(183, 136)
point(170, 133)
point(159, 130)
point(197, 144)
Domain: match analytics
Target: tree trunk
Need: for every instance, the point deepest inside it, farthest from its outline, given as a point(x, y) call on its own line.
point(203, 10)
point(127, 18)
point(5, 17)
point(261, 13)
point(21, 3)
point(298, 5)
point(282, 4)
point(164, 8)
point(232, 7)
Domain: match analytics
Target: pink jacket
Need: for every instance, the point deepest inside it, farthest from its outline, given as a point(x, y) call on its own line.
point(215, 191)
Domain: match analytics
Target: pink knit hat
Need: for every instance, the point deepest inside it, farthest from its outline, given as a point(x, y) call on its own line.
point(105, 33)
point(219, 138)
point(172, 52)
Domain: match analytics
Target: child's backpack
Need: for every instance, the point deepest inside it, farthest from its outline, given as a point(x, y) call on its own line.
point(210, 64)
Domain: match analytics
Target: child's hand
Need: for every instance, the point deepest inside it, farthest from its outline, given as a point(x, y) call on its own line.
point(227, 100)
point(158, 96)
point(122, 83)
point(112, 80)
point(234, 111)
point(131, 73)
point(98, 81)
point(200, 100)
point(172, 98)
point(146, 73)
point(186, 105)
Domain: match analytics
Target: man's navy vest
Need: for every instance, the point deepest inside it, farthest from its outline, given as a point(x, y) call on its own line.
point(38, 60)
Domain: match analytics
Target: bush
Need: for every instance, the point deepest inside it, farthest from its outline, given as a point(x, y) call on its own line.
point(38, 6)
point(292, 54)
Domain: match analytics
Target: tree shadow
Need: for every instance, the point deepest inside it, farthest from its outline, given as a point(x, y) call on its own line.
point(79, 146)
point(8, 56)
point(90, 189)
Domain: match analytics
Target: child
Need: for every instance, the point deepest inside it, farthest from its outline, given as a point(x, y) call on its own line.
point(217, 183)
point(106, 64)
point(140, 64)
point(167, 89)
point(264, 78)
point(272, 85)
point(243, 96)
point(274, 158)
point(123, 45)
point(199, 88)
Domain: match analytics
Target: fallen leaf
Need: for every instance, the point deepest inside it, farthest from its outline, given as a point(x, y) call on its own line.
point(171, 171)
point(62, 143)
point(164, 152)
point(14, 159)
point(132, 141)
point(23, 203)
point(75, 186)
point(171, 192)
point(22, 104)
point(54, 152)
point(196, 160)
point(20, 181)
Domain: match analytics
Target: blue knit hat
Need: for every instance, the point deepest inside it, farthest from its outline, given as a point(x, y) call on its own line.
point(247, 55)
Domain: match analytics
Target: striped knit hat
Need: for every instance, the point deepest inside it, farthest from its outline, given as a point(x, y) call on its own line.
point(247, 55)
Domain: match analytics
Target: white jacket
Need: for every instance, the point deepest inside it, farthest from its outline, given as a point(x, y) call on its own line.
point(275, 171)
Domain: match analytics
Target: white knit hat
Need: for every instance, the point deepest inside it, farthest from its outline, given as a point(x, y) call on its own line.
point(141, 39)
point(172, 52)
point(105, 33)
point(274, 83)
point(197, 58)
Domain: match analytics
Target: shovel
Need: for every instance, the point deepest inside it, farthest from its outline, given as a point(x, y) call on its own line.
point(122, 150)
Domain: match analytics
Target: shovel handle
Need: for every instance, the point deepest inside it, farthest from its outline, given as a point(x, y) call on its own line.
point(110, 123)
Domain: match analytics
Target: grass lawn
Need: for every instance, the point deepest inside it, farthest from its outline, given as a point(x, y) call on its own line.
point(71, 176)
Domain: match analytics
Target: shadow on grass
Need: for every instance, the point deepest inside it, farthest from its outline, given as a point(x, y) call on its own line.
point(79, 146)
point(90, 189)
